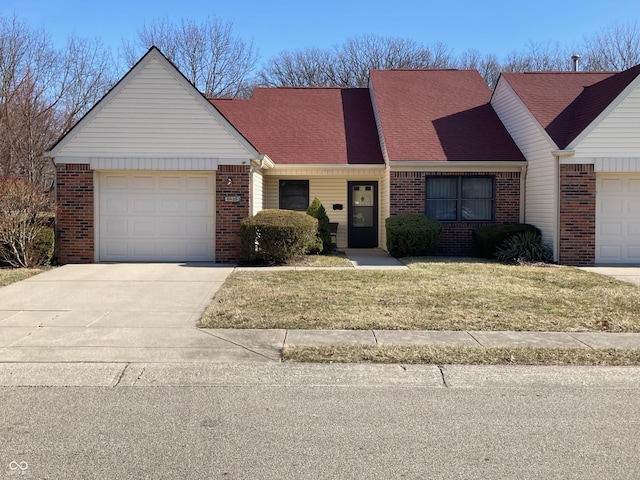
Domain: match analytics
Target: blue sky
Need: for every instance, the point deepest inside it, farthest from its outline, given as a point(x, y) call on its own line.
point(494, 26)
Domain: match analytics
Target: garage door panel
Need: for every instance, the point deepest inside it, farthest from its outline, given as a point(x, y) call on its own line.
point(618, 219)
point(115, 227)
point(610, 252)
point(144, 228)
point(172, 183)
point(156, 217)
point(116, 182)
point(143, 205)
point(146, 182)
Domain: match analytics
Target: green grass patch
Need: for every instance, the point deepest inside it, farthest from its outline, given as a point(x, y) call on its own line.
point(448, 355)
point(13, 275)
point(438, 294)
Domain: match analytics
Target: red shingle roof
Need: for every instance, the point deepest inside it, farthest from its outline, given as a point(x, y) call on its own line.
point(439, 115)
point(565, 103)
point(308, 125)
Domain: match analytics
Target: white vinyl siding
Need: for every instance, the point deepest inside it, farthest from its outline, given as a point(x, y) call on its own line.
point(154, 115)
point(618, 134)
point(541, 186)
point(330, 187)
point(618, 218)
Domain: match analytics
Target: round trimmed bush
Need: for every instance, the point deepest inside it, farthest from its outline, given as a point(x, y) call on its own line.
point(275, 236)
point(412, 235)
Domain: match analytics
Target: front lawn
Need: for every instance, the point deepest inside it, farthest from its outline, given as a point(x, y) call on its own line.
point(434, 294)
point(12, 275)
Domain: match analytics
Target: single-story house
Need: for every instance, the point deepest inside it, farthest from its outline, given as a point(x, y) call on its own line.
point(157, 172)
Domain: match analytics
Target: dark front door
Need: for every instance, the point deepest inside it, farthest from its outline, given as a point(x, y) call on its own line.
point(363, 214)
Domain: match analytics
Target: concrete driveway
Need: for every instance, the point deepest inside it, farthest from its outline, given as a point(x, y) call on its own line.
point(629, 274)
point(122, 313)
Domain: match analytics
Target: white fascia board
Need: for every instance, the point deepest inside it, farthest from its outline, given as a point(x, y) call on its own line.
point(617, 101)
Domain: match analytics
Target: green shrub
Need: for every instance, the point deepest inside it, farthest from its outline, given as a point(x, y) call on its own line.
point(43, 246)
point(525, 247)
point(412, 235)
point(488, 240)
point(275, 236)
point(322, 243)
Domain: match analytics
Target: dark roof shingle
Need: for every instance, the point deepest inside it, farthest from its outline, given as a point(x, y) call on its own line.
point(311, 126)
point(566, 103)
point(439, 115)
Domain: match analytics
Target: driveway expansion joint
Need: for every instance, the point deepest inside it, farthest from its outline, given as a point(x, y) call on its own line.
point(441, 368)
point(239, 345)
point(117, 380)
point(578, 340)
point(474, 338)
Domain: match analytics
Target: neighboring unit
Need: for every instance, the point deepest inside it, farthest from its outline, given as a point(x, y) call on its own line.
point(157, 172)
point(580, 134)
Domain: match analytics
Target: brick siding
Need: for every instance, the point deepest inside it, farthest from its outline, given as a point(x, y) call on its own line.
point(74, 219)
point(408, 196)
point(577, 215)
point(229, 214)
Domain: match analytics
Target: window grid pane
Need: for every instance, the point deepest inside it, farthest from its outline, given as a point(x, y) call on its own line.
point(459, 198)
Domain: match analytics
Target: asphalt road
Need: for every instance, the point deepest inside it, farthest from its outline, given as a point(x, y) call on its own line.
point(330, 422)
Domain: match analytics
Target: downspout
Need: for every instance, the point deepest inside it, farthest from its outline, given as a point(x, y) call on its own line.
point(556, 207)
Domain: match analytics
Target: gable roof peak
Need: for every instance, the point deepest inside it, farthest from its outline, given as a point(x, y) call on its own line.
point(566, 103)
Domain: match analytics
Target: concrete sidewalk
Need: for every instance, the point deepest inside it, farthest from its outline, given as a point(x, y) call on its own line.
point(487, 339)
point(105, 313)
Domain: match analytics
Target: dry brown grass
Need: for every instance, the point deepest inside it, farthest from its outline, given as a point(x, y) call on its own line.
point(432, 295)
point(447, 355)
point(12, 275)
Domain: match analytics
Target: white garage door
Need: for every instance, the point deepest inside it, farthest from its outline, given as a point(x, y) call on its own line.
point(618, 219)
point(156, 216)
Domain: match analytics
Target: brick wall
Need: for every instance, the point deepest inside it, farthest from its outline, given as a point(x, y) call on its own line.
point(577, 215)
point(229, 214)
point(74, 219)
point(408, 196)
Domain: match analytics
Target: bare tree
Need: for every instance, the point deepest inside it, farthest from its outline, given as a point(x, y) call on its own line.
point(302, 68)
point(539, 57)
point(25, 213)
point(613, 48)
point(216, 61)
point(360, 54)
point(43, 91)
point(348, 65)
point(487, 65)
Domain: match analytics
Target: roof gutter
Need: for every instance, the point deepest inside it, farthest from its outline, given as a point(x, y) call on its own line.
point(261, 162)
